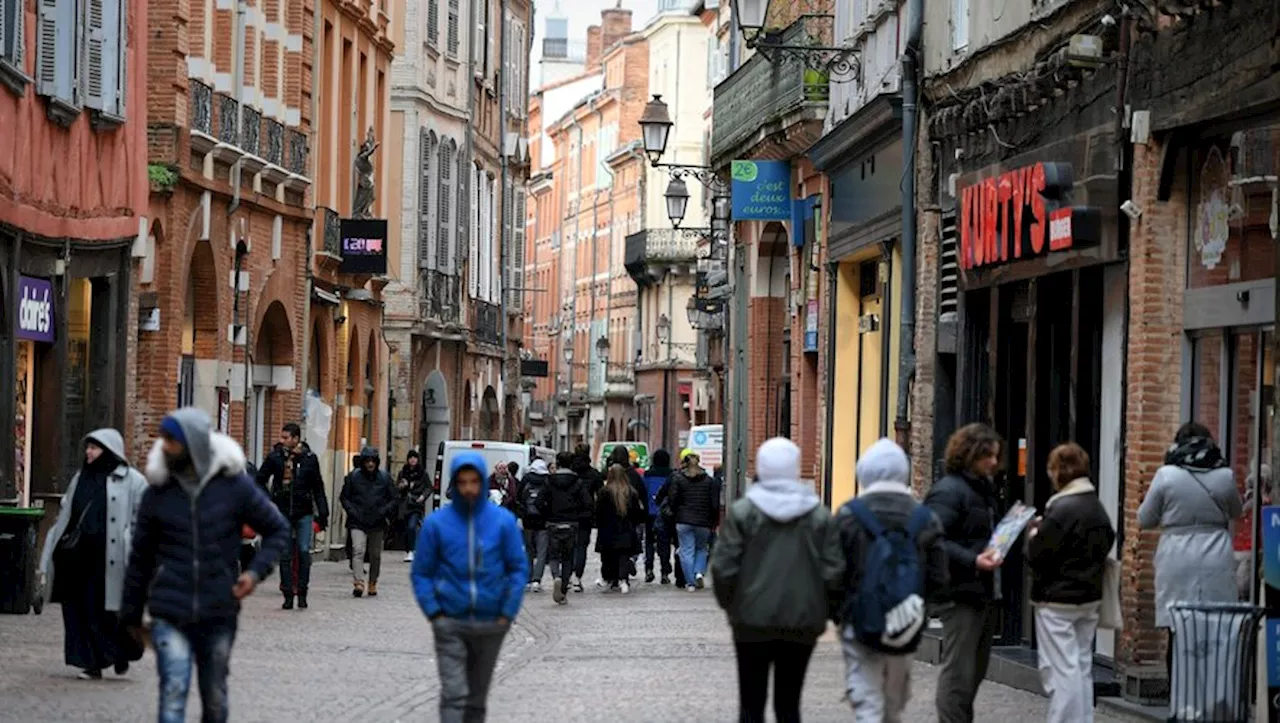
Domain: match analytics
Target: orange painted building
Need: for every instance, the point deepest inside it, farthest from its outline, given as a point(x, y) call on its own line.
point(73, 199)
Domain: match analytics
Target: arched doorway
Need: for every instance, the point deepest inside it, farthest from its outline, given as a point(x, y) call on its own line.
point(489, 414)
point(272, 370)
point(435, 422)
point(350, 414)
point(468, 411)
point(612, 436)
point(198, 362)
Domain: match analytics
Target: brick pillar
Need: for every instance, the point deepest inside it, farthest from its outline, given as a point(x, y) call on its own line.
point(1157, 253)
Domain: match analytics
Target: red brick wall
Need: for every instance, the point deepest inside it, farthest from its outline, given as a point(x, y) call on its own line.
point(1152, 414)
point(765, 322)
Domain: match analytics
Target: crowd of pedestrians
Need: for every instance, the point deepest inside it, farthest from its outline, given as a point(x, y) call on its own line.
point(154, 558)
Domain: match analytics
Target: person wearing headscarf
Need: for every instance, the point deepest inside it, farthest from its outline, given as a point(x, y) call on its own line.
point(86, 551)
point(1194, 503)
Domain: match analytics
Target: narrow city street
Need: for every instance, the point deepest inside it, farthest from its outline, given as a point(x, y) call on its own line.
point(657, 654)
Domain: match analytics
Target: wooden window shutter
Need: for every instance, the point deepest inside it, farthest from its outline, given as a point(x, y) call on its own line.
point(461, 221)
point(446, 207)
point(433, 22)
point(453, 28)
point(56, 49)
point(12, 43)
point(519, 235)
point(424, 199)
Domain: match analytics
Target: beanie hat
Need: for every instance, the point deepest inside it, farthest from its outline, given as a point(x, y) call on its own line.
point(172, 428)
point(778, 458)
point(883, 461)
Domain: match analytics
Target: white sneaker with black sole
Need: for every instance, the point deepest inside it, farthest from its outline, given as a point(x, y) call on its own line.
point(700, 582)
point(625, 587)
point(535, 586)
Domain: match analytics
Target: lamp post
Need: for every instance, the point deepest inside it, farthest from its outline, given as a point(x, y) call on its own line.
point(677, 197)
point(663, 329)
point(838, 63)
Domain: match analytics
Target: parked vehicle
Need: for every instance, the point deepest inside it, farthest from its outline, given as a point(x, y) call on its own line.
point(641, 450)
point(494, 453)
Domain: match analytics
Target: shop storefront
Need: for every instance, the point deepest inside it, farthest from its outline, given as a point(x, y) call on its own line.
point(1229, 308)
point(862, 159)
point(65, 342)
point(1040, 306)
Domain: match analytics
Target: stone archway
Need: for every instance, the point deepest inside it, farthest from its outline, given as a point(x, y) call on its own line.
point(435, 420)
point(272, 378)
point(198, 357)
point(489, 415)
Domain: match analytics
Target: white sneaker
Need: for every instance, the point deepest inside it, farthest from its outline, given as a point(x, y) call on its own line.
point(408, 557)
point(535, 586)
point(625, 587)
point(577, 584)
point(700, 582)
point(600, 583)
point(690, 588)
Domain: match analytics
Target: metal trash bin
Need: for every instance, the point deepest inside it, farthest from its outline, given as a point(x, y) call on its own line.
point(1213, 662)
point(18, 547)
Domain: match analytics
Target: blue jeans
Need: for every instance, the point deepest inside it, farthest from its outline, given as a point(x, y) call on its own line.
point(695, 543)
point(207, 646)
point(295, 579)
point(412, 526)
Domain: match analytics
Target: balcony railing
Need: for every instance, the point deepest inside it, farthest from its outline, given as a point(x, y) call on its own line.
point(201, 107)
point(443, 297)
point(250, 130)
point(646, 250)
point(332, 232)
point(488, 323)
point(760, 93)
point(298, 151)
point(227, 108)
point(275, 143)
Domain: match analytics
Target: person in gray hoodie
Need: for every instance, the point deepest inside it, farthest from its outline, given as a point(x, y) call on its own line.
point(878, 653)
point(777, 570)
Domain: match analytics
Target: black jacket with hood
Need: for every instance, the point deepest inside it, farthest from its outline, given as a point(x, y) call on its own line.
point(969, 510)
point(537, 477)
point(186, 542)
point(571, 499)
point(418, 485)
point(369, 499)
point(305, 494)
point(695, 499)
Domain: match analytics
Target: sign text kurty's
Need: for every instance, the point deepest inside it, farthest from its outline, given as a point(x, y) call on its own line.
point(1018, 214)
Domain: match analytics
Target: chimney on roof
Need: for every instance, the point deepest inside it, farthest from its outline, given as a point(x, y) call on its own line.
point(616, 24)
point(593, 48)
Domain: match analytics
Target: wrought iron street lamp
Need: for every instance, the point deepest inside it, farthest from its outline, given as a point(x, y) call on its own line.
point(655, 128)
point(839, 63)
point(677, 197)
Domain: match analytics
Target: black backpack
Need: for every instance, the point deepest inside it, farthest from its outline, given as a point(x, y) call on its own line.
point(534, 497)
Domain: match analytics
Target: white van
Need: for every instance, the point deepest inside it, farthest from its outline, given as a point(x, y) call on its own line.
point(494, 453)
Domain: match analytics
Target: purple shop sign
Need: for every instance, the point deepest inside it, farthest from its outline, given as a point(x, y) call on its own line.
point(35, 309)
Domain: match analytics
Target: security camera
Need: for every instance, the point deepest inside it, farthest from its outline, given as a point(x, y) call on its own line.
point(1132, 210)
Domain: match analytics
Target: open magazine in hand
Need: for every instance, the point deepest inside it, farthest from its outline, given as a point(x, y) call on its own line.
point(1010, 528)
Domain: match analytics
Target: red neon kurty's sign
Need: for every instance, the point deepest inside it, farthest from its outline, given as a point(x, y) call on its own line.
point(1018, 214)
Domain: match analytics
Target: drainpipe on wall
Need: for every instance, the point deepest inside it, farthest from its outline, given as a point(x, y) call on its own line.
point(237, 90)
point(573, 291)
point(595, 239)
point(506, 202)
point(907, 322)
point(832, 318)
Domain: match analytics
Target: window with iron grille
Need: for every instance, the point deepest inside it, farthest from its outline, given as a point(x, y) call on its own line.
point(446, 204)
point(453, 28)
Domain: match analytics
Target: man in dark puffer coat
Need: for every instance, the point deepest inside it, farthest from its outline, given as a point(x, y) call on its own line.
point(186, 546)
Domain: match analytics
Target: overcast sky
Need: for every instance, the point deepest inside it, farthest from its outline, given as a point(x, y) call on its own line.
point(582, 13)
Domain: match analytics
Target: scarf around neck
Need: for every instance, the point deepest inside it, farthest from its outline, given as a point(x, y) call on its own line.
point(1200, 453)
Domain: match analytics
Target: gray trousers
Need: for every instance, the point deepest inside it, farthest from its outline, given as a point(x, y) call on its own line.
point(878, 684)
point(535, 547)
point(371, 542)
point(466, 654)
point(967, 635)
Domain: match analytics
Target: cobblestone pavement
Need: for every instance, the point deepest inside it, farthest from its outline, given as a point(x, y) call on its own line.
point(658, 654)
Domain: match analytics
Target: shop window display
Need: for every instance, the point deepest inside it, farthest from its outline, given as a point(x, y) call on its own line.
point(1231, 221)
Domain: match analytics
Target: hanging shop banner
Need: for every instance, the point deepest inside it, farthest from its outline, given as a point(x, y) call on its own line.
point(364, 246)
point(761, 190)
point(34, 319)
point(1021, 214)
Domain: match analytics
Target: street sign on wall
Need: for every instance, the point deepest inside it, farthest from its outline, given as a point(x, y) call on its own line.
point(761, 190)
point(364, 246)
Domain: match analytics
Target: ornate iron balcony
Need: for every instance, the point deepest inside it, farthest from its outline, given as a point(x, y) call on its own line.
point(250, 130)
point(227, 108)
point(443, 297)
point(488, 323)
point(275, 143)
point(332, 232)
point(298, 152)
point(201, 107)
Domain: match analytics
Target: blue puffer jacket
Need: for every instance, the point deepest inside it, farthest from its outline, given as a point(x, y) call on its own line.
point(470, 561)
point(186, 547)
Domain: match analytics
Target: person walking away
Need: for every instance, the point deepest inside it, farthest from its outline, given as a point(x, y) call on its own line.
point(894, 565)
point(1194, 502)
point(532, 503)
point(370, 500)
point(966, 504)
point(776, 573)
point(657, 541)
point(668, 521)
point(692, 501)
point(468, 576)
point(622, 456)
point(569, 503)
point(414, 487)
point(594, 482)
point(185, 549)
point(86, 551)
point(618, 513)
point(292, 472)
point(1066, 552)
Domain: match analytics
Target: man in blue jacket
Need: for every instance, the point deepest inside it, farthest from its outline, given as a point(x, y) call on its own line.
point(469, 572)
point(186, 546)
